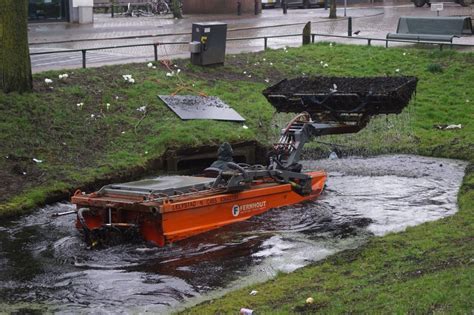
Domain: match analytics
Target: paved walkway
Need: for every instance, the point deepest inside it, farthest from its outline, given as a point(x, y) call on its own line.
point(369, 20)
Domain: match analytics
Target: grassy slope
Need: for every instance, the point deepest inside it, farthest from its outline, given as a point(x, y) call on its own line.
point(77, 148)
point(427, 268)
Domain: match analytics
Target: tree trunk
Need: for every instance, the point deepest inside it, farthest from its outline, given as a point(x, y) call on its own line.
point(15, 65)
point(332, 10)
point(176, 9)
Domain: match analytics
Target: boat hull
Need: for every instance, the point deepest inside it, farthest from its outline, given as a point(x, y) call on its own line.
point(174, 220)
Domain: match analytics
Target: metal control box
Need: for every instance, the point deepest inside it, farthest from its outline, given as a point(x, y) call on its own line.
point(208, 43)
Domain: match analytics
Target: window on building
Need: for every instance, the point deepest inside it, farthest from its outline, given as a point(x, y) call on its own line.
point(47, 10)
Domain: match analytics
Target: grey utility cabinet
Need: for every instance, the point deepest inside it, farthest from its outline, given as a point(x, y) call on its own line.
point(208, 43)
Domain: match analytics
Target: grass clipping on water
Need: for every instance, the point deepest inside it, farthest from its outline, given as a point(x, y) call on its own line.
point(94, 124)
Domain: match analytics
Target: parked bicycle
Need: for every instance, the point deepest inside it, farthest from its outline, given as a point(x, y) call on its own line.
point(160, 6)
point(151, 8)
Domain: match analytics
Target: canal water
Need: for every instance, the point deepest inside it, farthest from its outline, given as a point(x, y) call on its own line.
point(44, 264)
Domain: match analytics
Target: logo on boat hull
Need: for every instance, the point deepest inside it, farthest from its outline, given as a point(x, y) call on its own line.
point(235, 210)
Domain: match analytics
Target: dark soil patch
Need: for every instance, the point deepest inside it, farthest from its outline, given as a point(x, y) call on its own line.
point(17, 174)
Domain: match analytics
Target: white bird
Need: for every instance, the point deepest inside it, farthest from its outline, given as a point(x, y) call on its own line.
point(149, 65)
point(48, 81)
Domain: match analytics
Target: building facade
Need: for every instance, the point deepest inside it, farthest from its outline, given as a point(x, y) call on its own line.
point(75, 11)
point(220, 6)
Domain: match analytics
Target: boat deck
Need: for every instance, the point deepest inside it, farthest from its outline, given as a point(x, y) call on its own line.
point(166, 185)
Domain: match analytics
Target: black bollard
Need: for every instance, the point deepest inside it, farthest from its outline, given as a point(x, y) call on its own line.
point(307, 34)
point(239, 8)
point(284, 6)
point(349, 26)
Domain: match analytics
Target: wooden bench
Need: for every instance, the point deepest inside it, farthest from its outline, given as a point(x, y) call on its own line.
point(431, 29)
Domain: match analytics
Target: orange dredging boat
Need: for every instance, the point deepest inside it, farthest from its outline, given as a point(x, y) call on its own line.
point(171, 208)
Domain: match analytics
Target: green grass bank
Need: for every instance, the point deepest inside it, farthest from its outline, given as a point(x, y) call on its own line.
point(426, 269)
point(88, 128)
point(94, 126)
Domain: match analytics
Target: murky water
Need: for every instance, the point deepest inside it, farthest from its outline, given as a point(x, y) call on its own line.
point(44, 261)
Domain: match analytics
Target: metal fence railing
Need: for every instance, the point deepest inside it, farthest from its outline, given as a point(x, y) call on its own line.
point(264, 38)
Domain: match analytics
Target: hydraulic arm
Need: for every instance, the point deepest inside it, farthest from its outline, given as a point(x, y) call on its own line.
point(331, 105)
point(287, 151)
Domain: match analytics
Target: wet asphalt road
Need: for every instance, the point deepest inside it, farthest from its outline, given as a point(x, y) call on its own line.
point(370, 20)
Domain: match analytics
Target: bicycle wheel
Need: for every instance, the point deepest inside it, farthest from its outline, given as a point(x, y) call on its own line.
point(163, 8)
